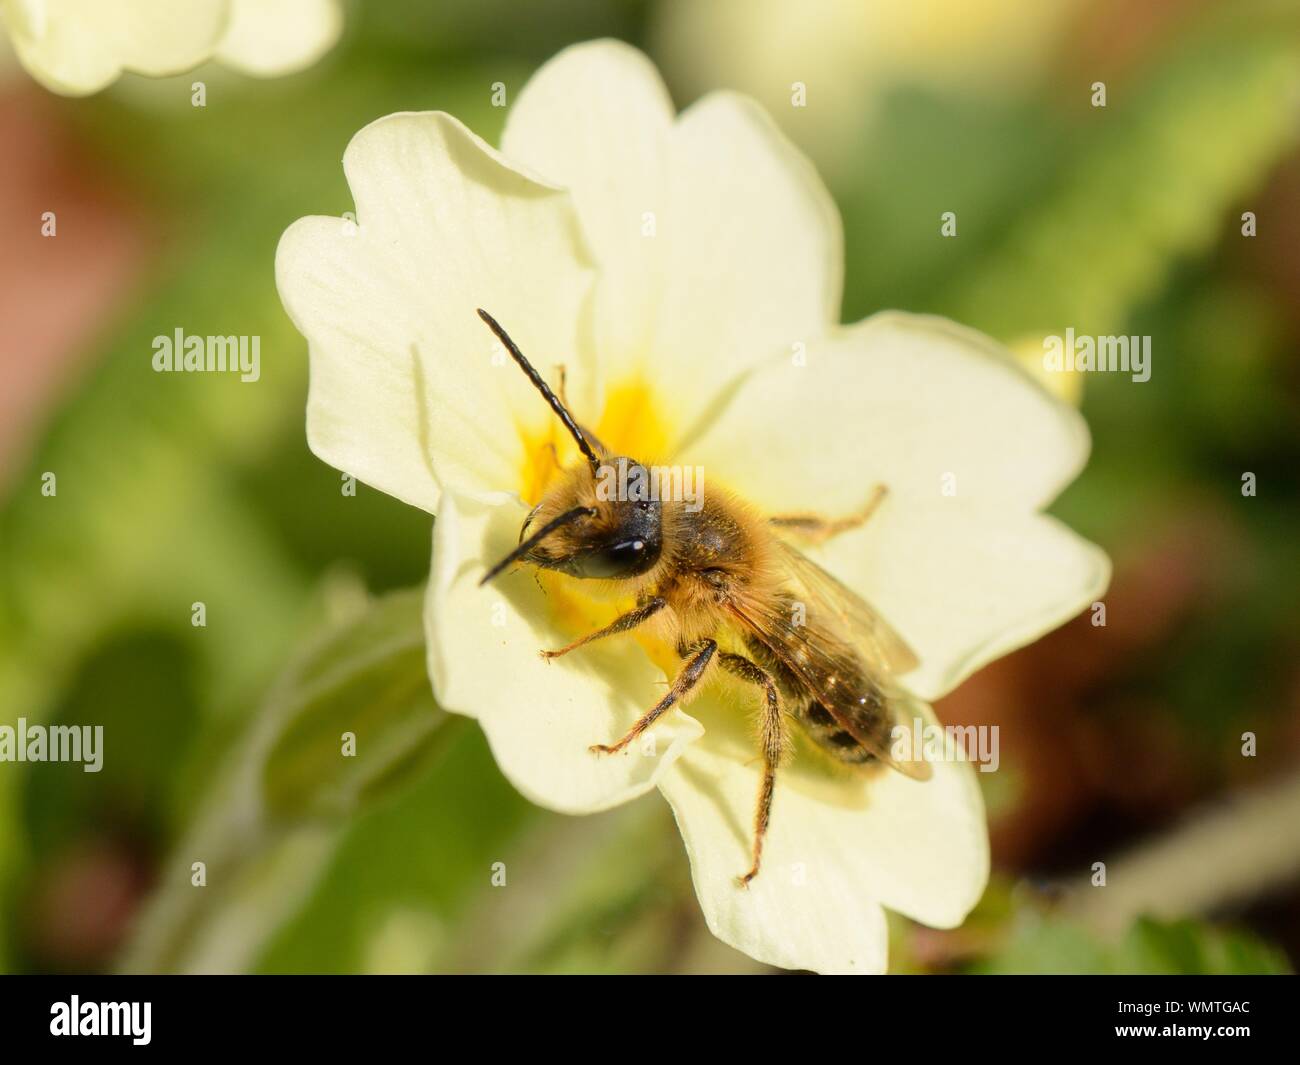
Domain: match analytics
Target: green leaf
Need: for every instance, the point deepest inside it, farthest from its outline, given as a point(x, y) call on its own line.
point(356, 715)
point(1190, 947)
point(394, 894)
point(1149, 182)
point(274, 817)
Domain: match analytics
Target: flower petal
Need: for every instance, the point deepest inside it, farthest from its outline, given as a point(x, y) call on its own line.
point(965, 586)
point(755, 253)
point(968, 445)
point(718, 243)
point(409, 390)
point(598, 120)
point(270, 37)
point(837, 849)
point(540, 717)
point(77, 47)
point(923, 406)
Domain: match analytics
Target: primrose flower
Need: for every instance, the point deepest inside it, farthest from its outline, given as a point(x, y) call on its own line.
point(77, 47)
point(686, 272)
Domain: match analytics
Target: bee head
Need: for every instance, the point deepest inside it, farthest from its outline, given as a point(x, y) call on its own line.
point(600, 521)
point(580, 530)
point(593, 532)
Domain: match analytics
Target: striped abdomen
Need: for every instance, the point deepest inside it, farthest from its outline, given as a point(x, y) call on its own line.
point(848, 693)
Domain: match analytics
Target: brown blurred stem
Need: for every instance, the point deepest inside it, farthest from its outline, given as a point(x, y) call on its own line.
point(1237, 850)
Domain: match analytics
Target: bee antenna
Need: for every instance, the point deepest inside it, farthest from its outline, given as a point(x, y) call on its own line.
point(545, 531)
point(542, 387)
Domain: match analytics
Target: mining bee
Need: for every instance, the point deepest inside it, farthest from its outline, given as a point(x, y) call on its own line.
point(727, 592)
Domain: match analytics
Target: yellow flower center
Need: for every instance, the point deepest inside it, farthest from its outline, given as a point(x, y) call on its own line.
point(633, 422)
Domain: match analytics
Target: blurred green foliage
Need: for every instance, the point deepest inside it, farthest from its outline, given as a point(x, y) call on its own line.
point(1046, 946)
point(178, 489)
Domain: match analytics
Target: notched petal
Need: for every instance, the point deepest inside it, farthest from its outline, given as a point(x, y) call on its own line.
point(965, 587)
point(918, 404)
point(839, 848)
point(77, 48)
point(409, 390)
point(718, 243)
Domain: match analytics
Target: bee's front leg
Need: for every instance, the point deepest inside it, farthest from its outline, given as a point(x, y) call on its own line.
point(682, 686)
point(622, 623)
point(817, 529)
point(775, 745)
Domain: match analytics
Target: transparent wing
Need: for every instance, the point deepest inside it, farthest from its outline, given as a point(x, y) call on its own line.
point(840, 651)
point(856, 622)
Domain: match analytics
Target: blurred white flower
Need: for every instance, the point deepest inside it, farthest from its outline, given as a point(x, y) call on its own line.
point(673, 265)
point(267, 38)
point(77, 47)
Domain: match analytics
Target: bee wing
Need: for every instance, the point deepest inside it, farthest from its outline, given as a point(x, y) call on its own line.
point(822, 659)
point(881, 647)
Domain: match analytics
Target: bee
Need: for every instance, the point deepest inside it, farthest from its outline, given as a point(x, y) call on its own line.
point(728, 591)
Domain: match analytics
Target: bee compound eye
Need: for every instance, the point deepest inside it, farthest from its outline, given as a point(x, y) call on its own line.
point(625, 558)
point(627, 550)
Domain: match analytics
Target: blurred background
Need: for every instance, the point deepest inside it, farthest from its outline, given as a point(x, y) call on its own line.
point(1121, 744)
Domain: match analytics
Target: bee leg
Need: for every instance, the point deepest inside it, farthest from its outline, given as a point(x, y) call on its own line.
point(687, 679)
point(817, 529)
point(774, 748)
point(622, 623)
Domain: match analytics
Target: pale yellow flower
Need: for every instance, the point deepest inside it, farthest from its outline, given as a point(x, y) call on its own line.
point(268, 38)
point(77, 47)
point(686, 270)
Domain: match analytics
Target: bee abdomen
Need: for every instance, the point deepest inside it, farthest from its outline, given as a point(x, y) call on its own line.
point(827, 733)
point(862, 704)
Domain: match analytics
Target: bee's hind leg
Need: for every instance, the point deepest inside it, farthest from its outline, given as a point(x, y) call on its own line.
point(775, 745)
point(817, 529)
point(701, 655)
